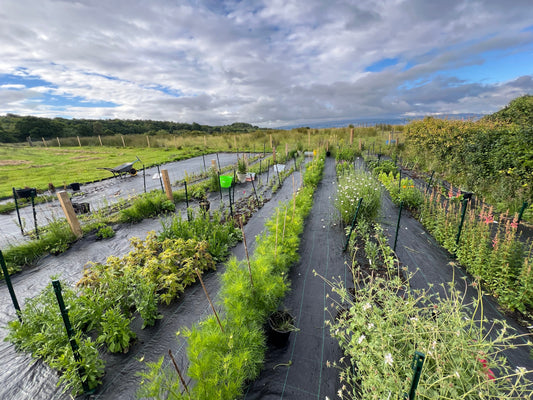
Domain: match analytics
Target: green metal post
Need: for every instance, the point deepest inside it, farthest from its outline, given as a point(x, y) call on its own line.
point(33, 195)
point(17, 208)
point(463, 213)
point(10, 286)
point(353, 223)
point(160, 179)
point(524, 206)
point(398, 226)
point(416, 366)
point(255, 193)
point(70, 333)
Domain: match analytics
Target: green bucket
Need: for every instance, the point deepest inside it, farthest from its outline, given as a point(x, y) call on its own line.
point(225, 181)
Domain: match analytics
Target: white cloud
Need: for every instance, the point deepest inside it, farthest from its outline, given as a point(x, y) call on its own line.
point(264, 62)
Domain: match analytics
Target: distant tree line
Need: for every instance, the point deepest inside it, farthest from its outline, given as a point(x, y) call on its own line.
point(15, 128)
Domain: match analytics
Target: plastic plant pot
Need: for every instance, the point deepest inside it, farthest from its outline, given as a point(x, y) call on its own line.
point(75, 186)
point(280, 326)
point(225, 181)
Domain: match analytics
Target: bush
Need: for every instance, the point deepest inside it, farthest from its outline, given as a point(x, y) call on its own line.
point(352, 187)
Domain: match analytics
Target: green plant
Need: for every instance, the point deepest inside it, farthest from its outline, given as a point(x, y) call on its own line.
point(402, 192)
point(380, 330)
point(352, 187)
point(105, 232)
point(116, 332)
point(242, 166)
point(147, 205)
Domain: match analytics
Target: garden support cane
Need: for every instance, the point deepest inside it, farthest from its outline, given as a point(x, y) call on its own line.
point(144, 178)
point(203, 158)
point(10, 286)
point(524, 206)
point(70, 333)
point(463, 212)
point(353, 223)
point(416, 366)
point(397, 226)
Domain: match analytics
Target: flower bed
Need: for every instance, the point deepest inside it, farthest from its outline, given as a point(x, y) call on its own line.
point(223, 357)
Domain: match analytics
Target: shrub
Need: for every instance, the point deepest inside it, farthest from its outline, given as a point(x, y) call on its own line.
point(352, 187)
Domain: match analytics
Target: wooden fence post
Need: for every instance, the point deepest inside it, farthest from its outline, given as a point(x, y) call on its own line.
point(351, 136)
point(100, 140)
point(148, 140)
point(166, 182)
point(123, 143)
point(79, 142)
point(44, 142)
point(58, 142)
point(72, 219)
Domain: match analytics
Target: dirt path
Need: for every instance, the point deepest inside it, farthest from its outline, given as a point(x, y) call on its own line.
point(311, 346)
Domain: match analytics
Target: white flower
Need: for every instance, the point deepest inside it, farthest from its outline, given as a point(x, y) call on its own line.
point(370, 326)
point(388, 359)
point(520, 371)
point(457, 375)
point(367, 306)
point(361, 338)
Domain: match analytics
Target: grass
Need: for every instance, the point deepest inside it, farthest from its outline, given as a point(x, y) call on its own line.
point(37, 167)
point(21, 165)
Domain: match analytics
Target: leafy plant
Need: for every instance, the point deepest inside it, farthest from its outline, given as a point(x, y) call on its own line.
point(116, 331)
point(353, 186)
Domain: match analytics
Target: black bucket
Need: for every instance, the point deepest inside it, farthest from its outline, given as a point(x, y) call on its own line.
point(75, 186)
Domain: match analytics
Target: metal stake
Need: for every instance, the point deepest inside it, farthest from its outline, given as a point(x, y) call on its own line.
point(10, 286)
point(524, 206)
point(416, 366)
point(33, 194)
point(17, 208)
point(70, 333)
point(187, 201)
point(398, 226)
point(160, 180)
point(463, 212)
point(430, 181)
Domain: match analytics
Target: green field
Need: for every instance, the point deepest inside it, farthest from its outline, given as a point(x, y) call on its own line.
point(37, 167)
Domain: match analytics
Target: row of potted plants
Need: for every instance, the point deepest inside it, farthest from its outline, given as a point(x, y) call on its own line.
point(226, 352)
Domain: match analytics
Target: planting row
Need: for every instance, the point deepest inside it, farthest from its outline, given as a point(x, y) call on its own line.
point(488, 247)
point(227, 350)
point(386, 329)
point(110, 295)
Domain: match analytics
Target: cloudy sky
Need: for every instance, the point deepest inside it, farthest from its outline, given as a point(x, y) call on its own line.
point(269, 63)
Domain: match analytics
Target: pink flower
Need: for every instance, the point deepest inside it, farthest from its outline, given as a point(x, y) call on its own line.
point(488, 371)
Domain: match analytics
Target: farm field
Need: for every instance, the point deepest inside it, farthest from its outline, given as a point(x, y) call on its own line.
point(368, 301)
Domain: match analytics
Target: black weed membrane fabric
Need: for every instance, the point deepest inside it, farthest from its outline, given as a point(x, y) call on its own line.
point(24, 378)
point(431, 264)
point(299, 370)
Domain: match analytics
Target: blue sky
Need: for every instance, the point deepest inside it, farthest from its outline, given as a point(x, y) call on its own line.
point(269, 63)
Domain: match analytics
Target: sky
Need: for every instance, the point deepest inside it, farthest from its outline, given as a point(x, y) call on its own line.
point(269, 63)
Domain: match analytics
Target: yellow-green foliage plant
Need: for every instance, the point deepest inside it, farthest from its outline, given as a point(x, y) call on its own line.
point(223, 358)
